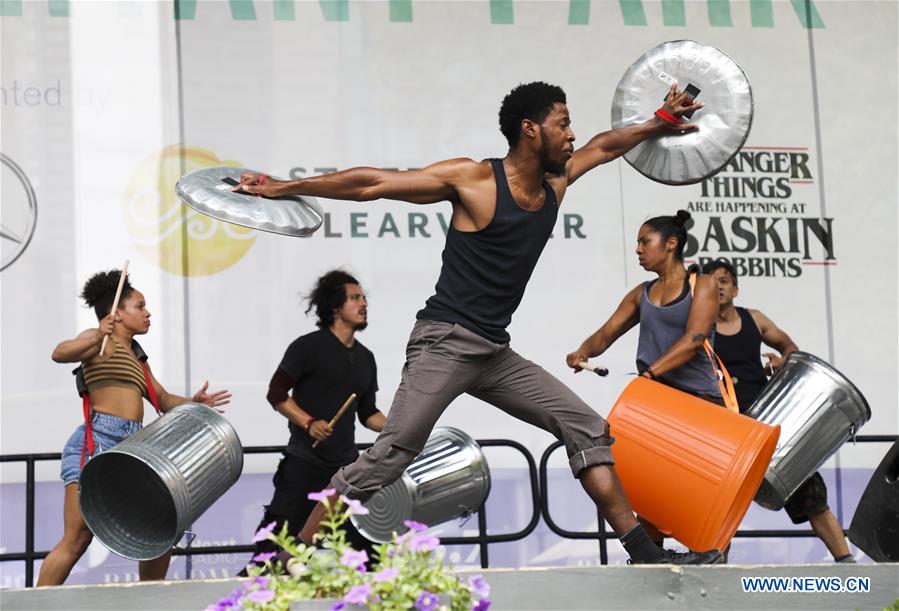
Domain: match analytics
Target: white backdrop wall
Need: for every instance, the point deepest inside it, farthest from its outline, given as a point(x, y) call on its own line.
point(106, 104)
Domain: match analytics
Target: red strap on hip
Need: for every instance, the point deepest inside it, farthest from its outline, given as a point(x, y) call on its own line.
point(87, 446)
point(151, 392)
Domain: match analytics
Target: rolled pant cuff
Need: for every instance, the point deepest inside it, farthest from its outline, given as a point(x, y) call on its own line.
point(591, 457)
point(343, 487)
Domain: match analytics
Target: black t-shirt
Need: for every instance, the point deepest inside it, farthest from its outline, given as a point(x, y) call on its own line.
point(326, 373)
point(741, 355)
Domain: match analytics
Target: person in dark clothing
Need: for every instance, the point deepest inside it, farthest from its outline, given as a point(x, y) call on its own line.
point(503, 214)
point(741, 332)
point(321, 370)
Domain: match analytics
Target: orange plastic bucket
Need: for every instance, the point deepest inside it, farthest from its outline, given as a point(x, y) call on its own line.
point(687, 465)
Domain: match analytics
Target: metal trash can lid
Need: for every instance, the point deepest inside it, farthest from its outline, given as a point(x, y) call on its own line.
point(387, 510)
point(724, 122)
point(209, 191)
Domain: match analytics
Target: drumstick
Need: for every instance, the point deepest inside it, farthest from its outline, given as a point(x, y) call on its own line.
point(600, 371)
point(115, 302)
point(346, 404)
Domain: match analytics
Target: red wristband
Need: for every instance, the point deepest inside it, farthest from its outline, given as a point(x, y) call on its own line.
point(308, 424)
point(667, 117)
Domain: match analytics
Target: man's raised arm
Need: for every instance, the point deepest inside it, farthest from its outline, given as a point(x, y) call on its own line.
point(606, 146)
point(436, 183)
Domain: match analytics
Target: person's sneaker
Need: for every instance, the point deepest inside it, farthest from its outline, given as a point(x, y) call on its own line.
point(847, 559)
point(712, 556)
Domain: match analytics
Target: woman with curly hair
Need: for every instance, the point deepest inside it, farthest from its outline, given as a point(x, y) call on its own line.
point(114, 384)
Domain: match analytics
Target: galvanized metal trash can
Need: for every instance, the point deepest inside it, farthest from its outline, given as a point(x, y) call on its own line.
point(140, 496)
point(449, 479)
point(818, 410)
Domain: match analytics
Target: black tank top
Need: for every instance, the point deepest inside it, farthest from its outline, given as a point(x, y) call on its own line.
point(741, 355)
point(485, 272)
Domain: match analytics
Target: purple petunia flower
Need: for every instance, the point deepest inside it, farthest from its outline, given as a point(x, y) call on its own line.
point(481, 605)
point(262, 582)
point(354, 559)
point(263, 533)
point(415, 526)
point(426, 601)
point(324, 495)
point(479, 586)
point(231, 602)
point(261, 596)
point(423, 543)
point(356, 507)
point(264, 557)
point(338, 606)
point(386, 575)
point(358, 595)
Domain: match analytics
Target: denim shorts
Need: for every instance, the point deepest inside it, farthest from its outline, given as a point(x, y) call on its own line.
point(108, 431)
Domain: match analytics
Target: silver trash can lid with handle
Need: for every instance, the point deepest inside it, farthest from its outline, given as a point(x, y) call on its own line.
point(209, 191)
point(724, 122)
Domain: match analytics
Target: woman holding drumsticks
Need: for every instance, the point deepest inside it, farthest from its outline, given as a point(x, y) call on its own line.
point(114, 379)
point(676, 319)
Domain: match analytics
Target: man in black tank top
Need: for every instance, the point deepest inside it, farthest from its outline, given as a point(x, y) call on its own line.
point(503, 213)
point(740, 334)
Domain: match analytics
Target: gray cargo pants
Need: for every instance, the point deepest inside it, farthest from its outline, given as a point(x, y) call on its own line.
point(442, 362)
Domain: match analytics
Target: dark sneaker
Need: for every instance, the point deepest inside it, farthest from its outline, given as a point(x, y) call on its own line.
point(712, 556)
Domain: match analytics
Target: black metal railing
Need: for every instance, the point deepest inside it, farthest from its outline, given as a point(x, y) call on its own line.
point(602, 535)
point(483, 539)
point(538, 481)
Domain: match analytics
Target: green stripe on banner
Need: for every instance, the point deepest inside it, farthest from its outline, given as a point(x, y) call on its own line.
point(578, 12)
point(185, 9)
point(632, 12)
point(335, 10)
point(762, 13)
point(10, 8)
point(673, 12)
point(58, 8)
point(242, 10)
point(808, 14)
point(283, 10)
point(719, 13)
point(401, 10)
point(501, 11)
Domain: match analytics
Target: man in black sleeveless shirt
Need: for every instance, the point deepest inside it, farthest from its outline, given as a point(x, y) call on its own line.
point(740, 334)
point(317, 374)
point(503, 213)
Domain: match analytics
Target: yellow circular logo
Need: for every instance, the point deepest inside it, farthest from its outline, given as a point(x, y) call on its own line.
point(174, 236)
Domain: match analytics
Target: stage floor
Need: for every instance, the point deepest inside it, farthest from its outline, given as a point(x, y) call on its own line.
point(612, 587)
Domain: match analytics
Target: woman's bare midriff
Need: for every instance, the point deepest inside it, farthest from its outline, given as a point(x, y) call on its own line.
point(118, 401)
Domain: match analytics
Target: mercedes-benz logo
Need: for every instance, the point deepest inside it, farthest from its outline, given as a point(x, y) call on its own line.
point(19, 211)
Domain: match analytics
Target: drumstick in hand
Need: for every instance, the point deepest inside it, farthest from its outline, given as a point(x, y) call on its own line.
point(600, 371)
point(346, 404)
point(115, 302)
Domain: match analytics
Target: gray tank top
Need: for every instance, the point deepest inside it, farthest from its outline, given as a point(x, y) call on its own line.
point(660, 328)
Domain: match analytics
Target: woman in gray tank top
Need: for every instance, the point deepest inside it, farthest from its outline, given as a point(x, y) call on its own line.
point(673, 323)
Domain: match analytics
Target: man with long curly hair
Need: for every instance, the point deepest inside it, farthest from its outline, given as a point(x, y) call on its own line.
point(318, 372)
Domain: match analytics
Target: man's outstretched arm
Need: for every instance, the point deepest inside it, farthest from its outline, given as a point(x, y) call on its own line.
point(606, 146)
point(435, 183)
